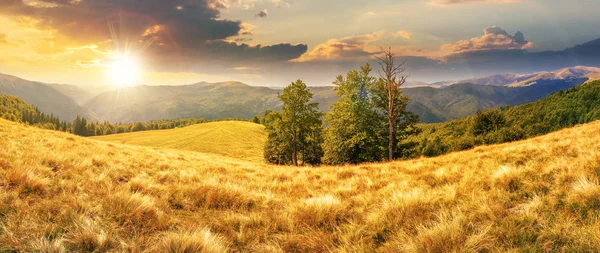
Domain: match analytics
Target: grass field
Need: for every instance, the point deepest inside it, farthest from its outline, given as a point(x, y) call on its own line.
point(62, 193)
point(237, 139)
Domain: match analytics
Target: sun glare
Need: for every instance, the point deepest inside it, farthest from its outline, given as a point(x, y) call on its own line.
point(124, 70)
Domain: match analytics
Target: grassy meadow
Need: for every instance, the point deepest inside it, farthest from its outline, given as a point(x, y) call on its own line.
point(237, 139)
point(62, 193)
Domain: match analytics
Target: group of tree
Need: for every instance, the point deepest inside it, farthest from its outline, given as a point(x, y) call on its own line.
point(14, 109)
point(577, 105)
point(368, 123)
point(82, 127)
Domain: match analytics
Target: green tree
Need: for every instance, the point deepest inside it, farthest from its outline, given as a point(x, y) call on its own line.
point(392, 103)
point(296, 130)
point(277, 150)
point(79, 126)
point(256, 120)
point(353, 133)
point(138, 127)
point(488, 121)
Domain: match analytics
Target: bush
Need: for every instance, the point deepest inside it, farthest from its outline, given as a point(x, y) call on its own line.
point(138, 127)
point(488, 121)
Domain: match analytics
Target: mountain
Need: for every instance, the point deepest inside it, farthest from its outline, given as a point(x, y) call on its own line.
point(201, 100)
point(526, 79)
point(59, 100)
point(452, 100)
point(577, 105)
point(464, 99)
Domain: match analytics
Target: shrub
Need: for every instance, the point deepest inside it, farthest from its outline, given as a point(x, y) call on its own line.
point(488, 121)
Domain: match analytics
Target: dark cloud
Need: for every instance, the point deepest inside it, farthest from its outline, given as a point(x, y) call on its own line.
point(457, 66)
point(262, 14)
point(217, 54)
point(174, 26)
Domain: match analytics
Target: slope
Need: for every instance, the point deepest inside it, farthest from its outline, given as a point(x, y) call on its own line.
point(46, 97)
point(236, 139)
point(464, 99)
point(61, 193)
point(566, 108)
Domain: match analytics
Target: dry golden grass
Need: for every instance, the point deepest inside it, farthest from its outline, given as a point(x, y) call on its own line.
point(61, 193)
point(238, 139)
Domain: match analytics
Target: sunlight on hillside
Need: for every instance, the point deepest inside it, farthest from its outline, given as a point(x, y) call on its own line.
point(61, 193)
point(237, 139)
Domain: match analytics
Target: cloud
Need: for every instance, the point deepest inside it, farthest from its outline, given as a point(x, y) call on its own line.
point(6, 40)
point(457, 2)
point(494, 38)
point(263, 14)
point(3, 38)
point(345, 49)
point(184, 29)
point(403, 34)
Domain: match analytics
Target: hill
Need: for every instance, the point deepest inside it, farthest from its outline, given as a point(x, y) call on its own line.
point(201, 100)
point(237, 139)
point(48, 98)
point(465, 99)
point(14, 109)
point(61, 193)
point(237, 100)
point(516, 80)
point(577, 105)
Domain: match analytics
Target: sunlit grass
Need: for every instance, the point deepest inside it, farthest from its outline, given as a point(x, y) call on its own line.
point(61, 193)
point(238, 139)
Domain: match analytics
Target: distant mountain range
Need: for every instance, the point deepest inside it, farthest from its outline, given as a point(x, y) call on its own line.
point(63, 101)
point(515, 80)
point(435, 103)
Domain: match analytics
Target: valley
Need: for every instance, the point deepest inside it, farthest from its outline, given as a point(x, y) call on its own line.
point(452, 100)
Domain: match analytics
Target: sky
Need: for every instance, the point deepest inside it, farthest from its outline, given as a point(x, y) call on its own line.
point(274, 42)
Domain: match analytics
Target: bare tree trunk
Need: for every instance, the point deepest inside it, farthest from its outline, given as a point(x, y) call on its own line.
point(295, 157)
point(391, 74)
point(391, 127)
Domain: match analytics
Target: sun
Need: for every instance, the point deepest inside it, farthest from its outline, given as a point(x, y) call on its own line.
point(124, 70)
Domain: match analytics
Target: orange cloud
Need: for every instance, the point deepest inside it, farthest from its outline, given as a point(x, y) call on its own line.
point(348, 48)
point(494, 38)
point(403, 34)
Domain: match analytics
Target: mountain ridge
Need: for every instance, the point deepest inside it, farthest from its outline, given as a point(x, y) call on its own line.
point(232, 99)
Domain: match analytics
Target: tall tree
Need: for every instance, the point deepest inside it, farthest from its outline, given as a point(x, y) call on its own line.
point(353, 125)
point(296, 129)
point(390, 100)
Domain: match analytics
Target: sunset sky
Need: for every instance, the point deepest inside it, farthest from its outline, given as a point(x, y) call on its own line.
point(273, 42)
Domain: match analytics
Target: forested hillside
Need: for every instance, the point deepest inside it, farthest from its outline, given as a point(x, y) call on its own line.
point(578, 105)
point(59, 100)
point(14, 109)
